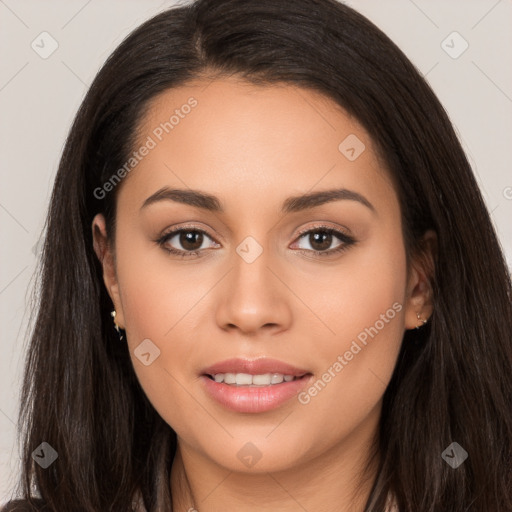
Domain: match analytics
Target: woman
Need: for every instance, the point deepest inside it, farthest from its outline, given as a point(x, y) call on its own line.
point(269, 281)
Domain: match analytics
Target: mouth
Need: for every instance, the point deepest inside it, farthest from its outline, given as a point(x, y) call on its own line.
point(262, 371)
point(253, 386)
point(249, 380)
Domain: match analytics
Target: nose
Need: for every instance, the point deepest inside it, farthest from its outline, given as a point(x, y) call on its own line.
point(254, 297)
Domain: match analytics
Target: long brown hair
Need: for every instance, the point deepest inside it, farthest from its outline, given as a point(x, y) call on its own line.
point(452, 381)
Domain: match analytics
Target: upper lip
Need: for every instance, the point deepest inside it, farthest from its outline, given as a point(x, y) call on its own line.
point(254, 367)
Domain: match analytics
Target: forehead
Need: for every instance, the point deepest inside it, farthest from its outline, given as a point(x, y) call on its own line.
point(230, 137)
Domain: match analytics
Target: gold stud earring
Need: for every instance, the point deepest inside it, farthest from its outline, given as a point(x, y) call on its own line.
point(423, 322)
point(116, 327)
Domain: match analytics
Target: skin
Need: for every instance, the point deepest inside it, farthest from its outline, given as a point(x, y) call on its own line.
point(252, 147)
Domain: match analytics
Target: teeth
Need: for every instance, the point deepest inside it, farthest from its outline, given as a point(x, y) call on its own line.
point(246, 379)
point(242, 379)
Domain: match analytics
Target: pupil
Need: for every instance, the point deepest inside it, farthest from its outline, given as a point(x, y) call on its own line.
point(187, 240)
point(317, 236)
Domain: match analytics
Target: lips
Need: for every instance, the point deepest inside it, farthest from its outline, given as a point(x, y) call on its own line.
point(254, 367)
point(254, 398)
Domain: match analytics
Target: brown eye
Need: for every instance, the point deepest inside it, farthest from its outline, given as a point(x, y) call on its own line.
point(321, 239)
point(184, 241)
point(190, 240)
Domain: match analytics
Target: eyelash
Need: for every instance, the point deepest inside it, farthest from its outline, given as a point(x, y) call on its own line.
point(346, 240)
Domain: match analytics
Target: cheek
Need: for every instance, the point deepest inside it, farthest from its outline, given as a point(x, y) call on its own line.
point(366, 329)
point(365, 313)
point(156, 289)
point(351, 295)
point(161, 304)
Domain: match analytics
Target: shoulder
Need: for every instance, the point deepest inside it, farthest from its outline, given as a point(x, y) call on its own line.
point(23, 506)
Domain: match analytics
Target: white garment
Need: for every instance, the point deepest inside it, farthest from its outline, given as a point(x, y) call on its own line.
point(391, 506)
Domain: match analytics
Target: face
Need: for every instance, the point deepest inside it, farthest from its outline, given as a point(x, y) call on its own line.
point(319, 285)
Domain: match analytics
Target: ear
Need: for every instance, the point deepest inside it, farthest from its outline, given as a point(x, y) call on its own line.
point(419, 293)
point(104, 252)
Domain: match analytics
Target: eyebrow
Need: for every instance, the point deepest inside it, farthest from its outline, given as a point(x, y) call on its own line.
point(292, 204)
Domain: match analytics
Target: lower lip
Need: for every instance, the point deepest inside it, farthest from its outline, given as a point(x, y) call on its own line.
point(254, 399)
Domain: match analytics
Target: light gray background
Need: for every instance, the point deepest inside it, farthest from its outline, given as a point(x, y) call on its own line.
point(39, 98)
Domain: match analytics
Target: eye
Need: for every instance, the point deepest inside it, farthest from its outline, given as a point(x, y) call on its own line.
point(191, 241)
point(321, 238)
